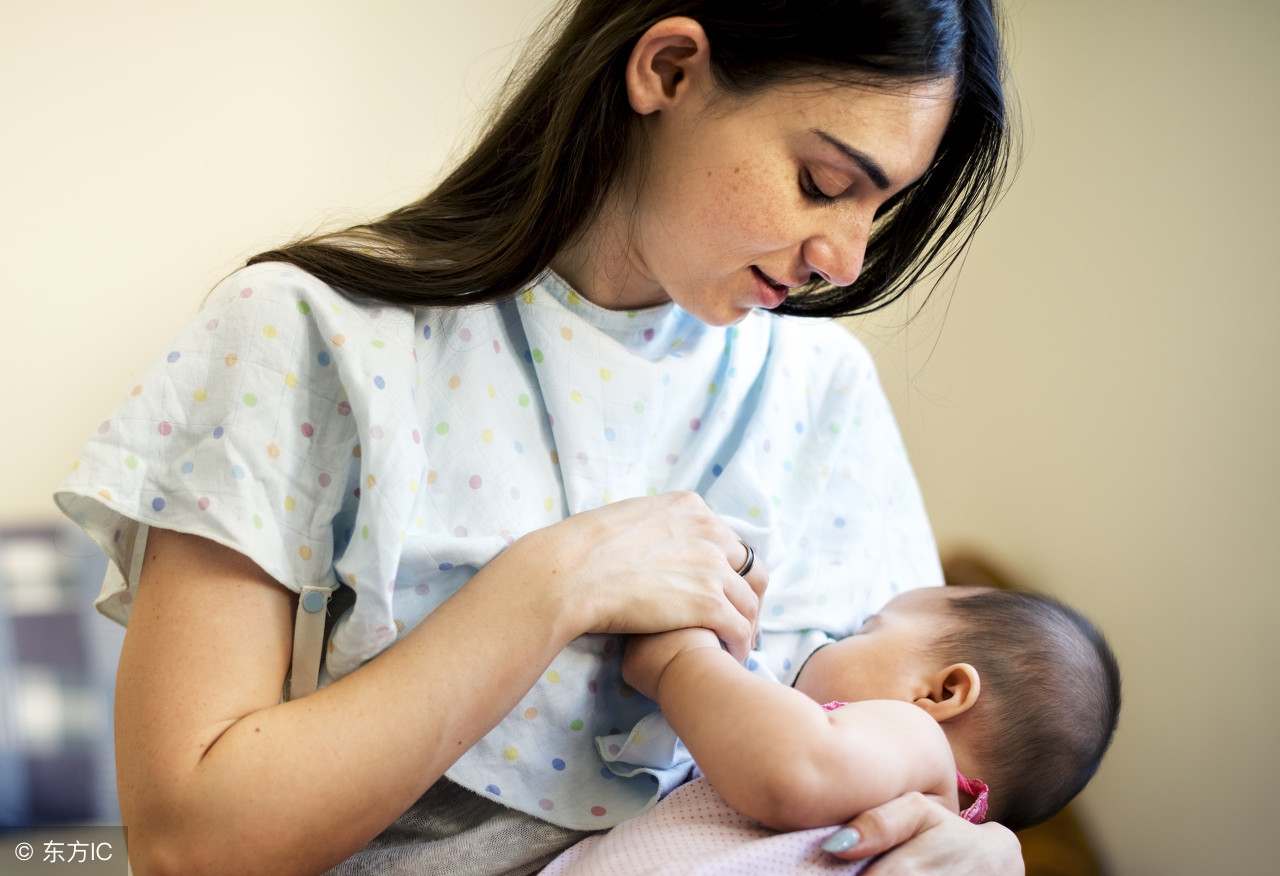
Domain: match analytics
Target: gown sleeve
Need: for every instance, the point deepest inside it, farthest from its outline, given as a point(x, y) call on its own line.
point(240, 432)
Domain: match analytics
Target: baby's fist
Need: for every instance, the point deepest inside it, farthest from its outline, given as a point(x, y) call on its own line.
point(647, 656)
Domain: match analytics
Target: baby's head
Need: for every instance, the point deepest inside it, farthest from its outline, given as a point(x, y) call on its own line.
point(1026, 689)
point(1049, 699)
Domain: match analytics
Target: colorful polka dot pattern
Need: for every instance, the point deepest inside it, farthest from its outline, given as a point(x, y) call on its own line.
point(399, 451)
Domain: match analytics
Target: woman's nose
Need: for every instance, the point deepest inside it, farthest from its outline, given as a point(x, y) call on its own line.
point(837, 257)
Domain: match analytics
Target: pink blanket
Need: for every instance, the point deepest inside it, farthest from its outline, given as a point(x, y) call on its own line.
point(694, 831)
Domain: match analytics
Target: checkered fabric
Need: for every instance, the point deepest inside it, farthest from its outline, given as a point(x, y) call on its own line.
point(57, 672)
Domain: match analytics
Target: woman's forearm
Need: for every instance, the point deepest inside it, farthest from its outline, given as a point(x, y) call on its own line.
point(218, 776)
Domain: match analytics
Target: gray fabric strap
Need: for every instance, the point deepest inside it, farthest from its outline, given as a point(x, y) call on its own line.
point(308, 640)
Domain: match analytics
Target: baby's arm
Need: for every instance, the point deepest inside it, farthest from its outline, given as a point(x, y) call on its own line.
point(774, 754)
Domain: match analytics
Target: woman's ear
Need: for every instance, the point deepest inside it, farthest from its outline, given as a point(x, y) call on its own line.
point(952, 692)
point(668, 59)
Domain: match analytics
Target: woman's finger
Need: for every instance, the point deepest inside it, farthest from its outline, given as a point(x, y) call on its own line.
point(758, 576)
point(888, 825)
point(743, 595)
point(741, 638)
point(735, 633)
point(923, 836)
point(745, 591)
point(758, 580)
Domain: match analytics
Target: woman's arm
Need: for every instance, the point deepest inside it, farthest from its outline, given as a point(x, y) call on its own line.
point(216, 775)
point(773, 753)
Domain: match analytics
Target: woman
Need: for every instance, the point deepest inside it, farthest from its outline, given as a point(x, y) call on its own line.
point(534, 381)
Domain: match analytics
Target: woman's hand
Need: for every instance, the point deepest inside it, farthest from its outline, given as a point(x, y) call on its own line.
point(646, 565)
point(922, 836)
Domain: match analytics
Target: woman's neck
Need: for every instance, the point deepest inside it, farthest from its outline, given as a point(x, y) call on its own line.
point(602, 264)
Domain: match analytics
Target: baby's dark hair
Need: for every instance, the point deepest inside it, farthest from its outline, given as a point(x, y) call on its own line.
point(1049, 699)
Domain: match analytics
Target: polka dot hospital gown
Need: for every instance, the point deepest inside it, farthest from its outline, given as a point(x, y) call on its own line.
point(398, 450)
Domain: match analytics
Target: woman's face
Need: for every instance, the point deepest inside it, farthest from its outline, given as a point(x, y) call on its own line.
point(741, 200)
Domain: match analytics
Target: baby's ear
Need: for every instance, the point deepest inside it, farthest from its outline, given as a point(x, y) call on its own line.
point(952, 692)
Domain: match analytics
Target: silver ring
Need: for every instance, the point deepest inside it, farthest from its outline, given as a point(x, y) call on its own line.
point(751, 560)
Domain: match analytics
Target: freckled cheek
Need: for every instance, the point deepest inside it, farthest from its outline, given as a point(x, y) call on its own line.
point(716, 215)
point(755, 213)
point(733, 210)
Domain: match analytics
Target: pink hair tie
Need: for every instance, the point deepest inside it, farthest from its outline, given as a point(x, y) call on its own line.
point(977, 811)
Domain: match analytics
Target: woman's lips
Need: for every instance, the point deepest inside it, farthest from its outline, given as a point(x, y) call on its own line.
point(768, 293)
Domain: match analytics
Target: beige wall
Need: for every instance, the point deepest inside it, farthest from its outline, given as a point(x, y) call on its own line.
point(148, 147)
point(1100, 411)
point(1099, 406)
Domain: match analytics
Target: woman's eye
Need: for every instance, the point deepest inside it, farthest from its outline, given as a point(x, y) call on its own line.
point(811, 190)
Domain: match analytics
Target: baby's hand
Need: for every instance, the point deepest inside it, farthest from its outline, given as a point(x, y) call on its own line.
point(647, 656)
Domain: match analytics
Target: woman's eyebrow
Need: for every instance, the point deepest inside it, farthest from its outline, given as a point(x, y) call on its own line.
point(864, 161)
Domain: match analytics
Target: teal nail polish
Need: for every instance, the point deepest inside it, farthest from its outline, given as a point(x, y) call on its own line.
point(842, 840)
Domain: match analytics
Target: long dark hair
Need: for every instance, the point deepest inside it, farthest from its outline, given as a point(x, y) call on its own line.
point(541, 171)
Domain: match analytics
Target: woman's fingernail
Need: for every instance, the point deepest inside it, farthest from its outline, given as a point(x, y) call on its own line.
point(842, 840)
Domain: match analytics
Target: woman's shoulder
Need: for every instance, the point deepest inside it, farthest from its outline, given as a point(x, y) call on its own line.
point(277, 299)
point(268, 283)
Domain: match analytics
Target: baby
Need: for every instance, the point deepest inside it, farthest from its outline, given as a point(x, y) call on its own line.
point(1011, 689)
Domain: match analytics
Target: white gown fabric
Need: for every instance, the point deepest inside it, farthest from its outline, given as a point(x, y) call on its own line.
point(398, 450)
